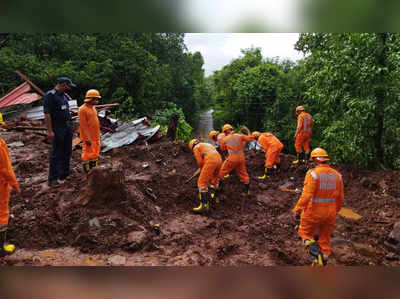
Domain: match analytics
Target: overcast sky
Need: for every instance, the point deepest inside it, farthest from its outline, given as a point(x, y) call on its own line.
point(219, 49)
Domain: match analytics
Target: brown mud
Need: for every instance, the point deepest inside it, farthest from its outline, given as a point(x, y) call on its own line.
point(127, 213)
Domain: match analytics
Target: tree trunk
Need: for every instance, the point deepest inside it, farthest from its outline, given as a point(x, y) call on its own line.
point(380, 94)
point(173, 125)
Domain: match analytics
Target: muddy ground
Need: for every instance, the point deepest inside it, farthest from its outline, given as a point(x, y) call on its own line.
point(142, 215)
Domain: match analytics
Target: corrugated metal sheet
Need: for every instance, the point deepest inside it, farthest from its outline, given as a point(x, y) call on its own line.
point(19, 95)
point(126, 134)
point(36, 113)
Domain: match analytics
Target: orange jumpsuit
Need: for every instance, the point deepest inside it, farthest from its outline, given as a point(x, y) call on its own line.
point(209, 161)
point(319, 203)
point(235, 144)
point(304, 131)
point(7, 179)
point(272, 147)
point(89, 127)
point(220, 138)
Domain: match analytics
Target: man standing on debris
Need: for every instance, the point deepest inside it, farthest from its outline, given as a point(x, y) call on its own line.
point(89, 127)
point(303, 134)
point(59, 129)
point(272, 147)
point(7, 180)
point(320, 201)
point(234, 143)
point(209, 162)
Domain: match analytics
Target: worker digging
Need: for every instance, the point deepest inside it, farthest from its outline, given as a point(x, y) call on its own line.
point(235, 143)
point(209, 162)
point(272, 147)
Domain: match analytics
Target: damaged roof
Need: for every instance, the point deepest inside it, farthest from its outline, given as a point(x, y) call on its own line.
point(19, 95)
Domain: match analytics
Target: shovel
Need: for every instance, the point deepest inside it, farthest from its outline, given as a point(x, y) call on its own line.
point(193, 176)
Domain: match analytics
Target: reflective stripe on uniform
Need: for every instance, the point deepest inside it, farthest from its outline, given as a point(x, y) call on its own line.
point(209, 152)
point(327, 181)
point(235, 152)
point(202, 189)
point(307, 123)
point(323, 200)
point(233, 141)
point(314, 175)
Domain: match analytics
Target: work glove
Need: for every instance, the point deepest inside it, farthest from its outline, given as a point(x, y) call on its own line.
point(88, 143)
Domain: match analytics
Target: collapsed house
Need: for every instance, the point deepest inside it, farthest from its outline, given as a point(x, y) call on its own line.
point(23, 110)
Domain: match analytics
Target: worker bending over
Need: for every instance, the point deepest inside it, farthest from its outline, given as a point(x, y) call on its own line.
point(234, 143)
point(272, 147)
point(209, 162)
point(7, 180)
point(303, 135)
point(318, 205)
point(89, 127)
point(217, 137)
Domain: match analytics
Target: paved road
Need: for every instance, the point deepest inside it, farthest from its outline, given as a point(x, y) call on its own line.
point(205, 124)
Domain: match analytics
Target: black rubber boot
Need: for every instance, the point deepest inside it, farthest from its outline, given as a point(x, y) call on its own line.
point(247, 189)
point(267, 173)
point(6, 248)
point(86, 166)
point(203, 207)
point(277, 168)
point(300, 158)
point(214, 193)
point(93, 163)
point(315, 252)
point(306, 157)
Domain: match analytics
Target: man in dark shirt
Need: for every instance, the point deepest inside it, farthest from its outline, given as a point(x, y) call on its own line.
point(59, 129)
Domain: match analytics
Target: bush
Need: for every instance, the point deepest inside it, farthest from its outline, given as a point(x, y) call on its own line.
point(161, 117)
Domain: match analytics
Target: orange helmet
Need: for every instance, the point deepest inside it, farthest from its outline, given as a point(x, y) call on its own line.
point(299, 108)
point(212, 134)
point(319, 153)
point(191, 143)
point(226, 127)
point(92, 93)
point(256, 134)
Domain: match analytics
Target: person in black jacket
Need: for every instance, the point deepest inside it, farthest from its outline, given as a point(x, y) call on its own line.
point(59, 130)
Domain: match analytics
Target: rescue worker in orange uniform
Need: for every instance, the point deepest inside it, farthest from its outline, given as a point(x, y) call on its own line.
point(303, 134)
point(209, 162)
point(7, 180)
point(234, 143)
point(272, 147)
point(89, 127)
point(320, 201)
point(217, 137)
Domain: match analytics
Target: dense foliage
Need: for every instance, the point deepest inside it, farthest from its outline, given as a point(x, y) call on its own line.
point(144, 72)
point(259, 93)
point(348, 82)
point(353, 82)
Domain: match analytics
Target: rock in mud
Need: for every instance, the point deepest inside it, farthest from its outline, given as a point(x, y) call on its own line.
point(117, 260)
point(365, 182)
point(137, 240)
point(394, 236)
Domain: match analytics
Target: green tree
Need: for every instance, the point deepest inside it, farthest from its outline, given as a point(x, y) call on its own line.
point(352, 81)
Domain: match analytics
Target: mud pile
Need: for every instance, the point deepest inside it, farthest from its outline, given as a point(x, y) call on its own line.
point(136, 204)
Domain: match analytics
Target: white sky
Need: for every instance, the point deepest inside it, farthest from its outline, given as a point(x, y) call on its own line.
point(219, 49)
point(229, 15)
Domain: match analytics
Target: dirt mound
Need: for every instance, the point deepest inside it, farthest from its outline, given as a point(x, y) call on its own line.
point(137, 204)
